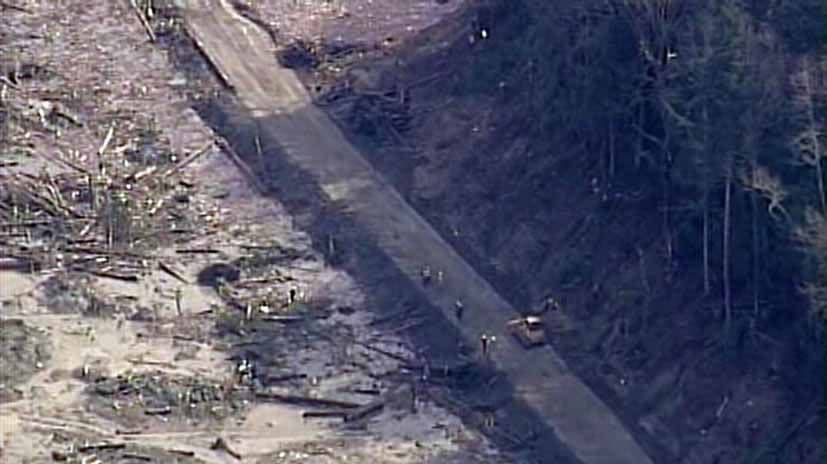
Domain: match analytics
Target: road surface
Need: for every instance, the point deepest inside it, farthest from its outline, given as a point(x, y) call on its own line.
point(244, 56)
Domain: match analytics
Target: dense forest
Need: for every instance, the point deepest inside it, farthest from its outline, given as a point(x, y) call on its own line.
point(716, 109)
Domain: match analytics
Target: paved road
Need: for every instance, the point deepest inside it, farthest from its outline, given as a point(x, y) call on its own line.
point(243, 55)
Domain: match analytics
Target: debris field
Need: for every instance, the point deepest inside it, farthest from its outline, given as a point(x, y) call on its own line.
point(154, 307)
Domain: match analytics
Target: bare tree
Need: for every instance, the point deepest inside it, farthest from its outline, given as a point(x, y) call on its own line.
point(727, 232)
point(813, 236)
point(654, 23)
point(700, 51)
point(763, 183)
point(809, 85)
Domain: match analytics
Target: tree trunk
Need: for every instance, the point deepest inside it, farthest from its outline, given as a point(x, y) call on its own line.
point(755, 248)
point(706, 175)
point(726, 264)
point(821, 195)
point(667, 219)
point(815, 143)
point(707, 288)
point(611, 149)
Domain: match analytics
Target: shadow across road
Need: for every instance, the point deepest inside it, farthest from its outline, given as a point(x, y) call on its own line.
point(473, 394)
point(303, 160)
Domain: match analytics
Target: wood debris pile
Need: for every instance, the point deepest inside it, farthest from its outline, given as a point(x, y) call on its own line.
point(373, 113)
point(160, 395)
point(264, 285)
point(366, 101)
point(75, 450)
point(88, 181)
point(106, 221)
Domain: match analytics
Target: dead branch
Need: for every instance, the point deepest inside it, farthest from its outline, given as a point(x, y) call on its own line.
point(172, 272)
point(144, 22)
point(369, 409)
point(395, 356)
point(241, 165)
point(101, 446)
point(189, 159)
point(332, 413)
point(9, 6)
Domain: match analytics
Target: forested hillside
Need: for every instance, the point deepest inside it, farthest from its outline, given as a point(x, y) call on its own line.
point(659, 166)
point(715, 108)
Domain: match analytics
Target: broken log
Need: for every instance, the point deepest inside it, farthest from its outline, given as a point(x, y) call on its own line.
point(189, 159)
point(306, 400)
point(284, 378)
point(158, 411)
point(197, 251)
point(367, 391)
point(10, 6)
point(110, 275)
point(332, 413)
point(101, 446)
point(241, 165)
point(169, 270)
point(395, 356)
point(222, 445)
point(144, 22)
point(369, 409)
point(149, 362)
point(127, 432)
point(444, 370)
point(137, 457)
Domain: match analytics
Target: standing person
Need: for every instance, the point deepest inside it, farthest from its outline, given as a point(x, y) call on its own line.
point(484, 341)
point(551, 304)
point(492, 340)
point(426, 275)
point(459, 310)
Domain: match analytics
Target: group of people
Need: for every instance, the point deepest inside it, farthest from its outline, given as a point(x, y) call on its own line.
point(486, 341)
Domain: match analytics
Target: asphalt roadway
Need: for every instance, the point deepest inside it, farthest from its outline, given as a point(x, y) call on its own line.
point(243, 55)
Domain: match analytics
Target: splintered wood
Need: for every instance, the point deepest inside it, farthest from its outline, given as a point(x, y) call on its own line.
point(94, 152)
point(107, 223)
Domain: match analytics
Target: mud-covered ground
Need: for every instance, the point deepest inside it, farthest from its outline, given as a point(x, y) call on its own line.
point(158, 367)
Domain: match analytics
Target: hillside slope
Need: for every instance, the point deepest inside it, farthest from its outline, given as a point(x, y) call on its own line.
point(627, 160)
